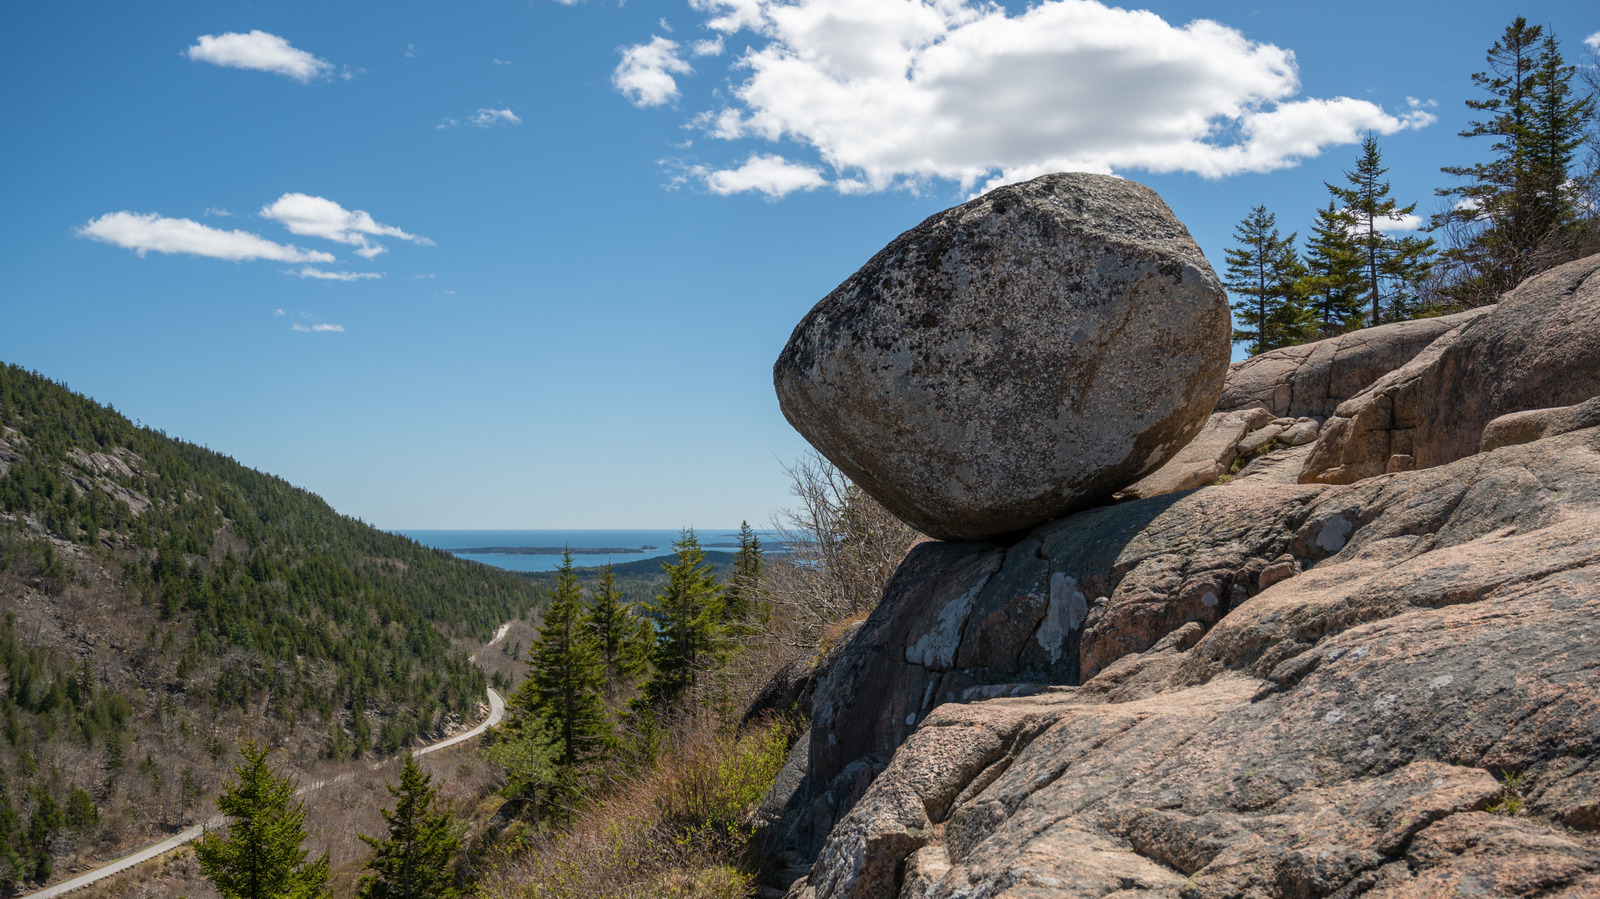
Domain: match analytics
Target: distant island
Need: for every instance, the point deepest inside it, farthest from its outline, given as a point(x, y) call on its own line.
point(553, 550)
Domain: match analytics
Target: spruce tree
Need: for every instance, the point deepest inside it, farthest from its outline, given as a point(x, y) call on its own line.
point(1512, 213)
point(1332, 282)
point(260, 857)
point(414, 861)
point(566, 683)
point(741, 598)
point(1263, 271)
point(690, 635)
point(618, 632)
point(1392, 267)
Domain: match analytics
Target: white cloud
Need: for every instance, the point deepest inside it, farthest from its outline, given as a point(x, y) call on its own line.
point(890, 93)
point(662, 22)
point(411, 51)
point(1407, 222)
point(260, 51)
point(1593, 41)
point(483, 118)
point(486, 117)
point(322, 327)
point(278, 312)
point(317, 328)
point(143, 233)
point(710, 47)
point(645, 73)
point(502, 62)
point(319, 217)
point(309, 272)
point(770, 174)
point(218, 211)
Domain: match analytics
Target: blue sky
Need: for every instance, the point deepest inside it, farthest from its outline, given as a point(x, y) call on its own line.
point(528, 264)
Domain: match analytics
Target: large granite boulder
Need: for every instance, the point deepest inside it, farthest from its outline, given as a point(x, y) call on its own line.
point(1538, 348)
point(1385, 688)
point(1014, 358)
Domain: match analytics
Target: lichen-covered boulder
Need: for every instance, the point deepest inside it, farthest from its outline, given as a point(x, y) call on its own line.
point(1013, 359)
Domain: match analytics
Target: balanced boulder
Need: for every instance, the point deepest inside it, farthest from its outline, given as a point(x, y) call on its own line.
point(1014, 358)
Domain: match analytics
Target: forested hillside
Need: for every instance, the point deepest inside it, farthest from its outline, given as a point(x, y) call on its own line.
point(160, 601)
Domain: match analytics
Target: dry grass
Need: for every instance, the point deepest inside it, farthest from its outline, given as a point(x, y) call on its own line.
point(677, 830)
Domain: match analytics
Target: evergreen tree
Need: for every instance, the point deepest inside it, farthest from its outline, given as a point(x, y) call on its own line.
point(414, 862)
point(1264, 272)
point(741, 598)
point(618, 632)
point(1511, 215)
point(690, 636)
point(43, 826)
point(1392, 267)
point(1332, 283)
point(260, 857)
point(566, 683)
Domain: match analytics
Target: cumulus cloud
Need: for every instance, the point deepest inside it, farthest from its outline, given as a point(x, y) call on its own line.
point(317, 328)
point(890, 93)
point(1593, 41)
point(318, 217)
point(709, 47)
point(321, 275)
point(1407, 222)
point(645, 73)
point(769, 174)
point(145, 232)
point(260, 51)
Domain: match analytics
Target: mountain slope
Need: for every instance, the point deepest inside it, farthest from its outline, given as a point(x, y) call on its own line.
point(161, 602)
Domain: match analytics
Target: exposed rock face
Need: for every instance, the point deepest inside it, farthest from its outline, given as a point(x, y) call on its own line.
point(1312, 379)
point(1540, 347)
point(1338, 733)
point(1014, 358)
point(1283, 396)
point(1537, 424)
point(1207, 457)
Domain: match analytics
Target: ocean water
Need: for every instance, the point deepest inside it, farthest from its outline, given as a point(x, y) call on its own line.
point(725, 539)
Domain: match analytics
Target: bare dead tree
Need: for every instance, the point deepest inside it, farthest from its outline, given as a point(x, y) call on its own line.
point(842, 548)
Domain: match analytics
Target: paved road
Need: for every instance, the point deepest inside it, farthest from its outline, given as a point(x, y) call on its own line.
point(497, 710)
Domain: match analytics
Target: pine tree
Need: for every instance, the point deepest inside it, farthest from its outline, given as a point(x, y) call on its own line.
point(690, 636)
point(1512, 213)
point(618, 632)
point(1332, 283)
point(414, 862)
point(741, 598)
point(566, 683)
point(1392, 267)
point(1264, 272)
point(260, 857)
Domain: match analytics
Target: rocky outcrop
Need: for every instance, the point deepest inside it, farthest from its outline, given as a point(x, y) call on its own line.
point(1539, 347)
point(1311, 380)
point(1278, 400)
point(1537, 424)
point(1014, 358)
point(1385, 688)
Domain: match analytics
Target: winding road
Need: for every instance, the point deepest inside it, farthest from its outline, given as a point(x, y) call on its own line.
point(497, 710)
